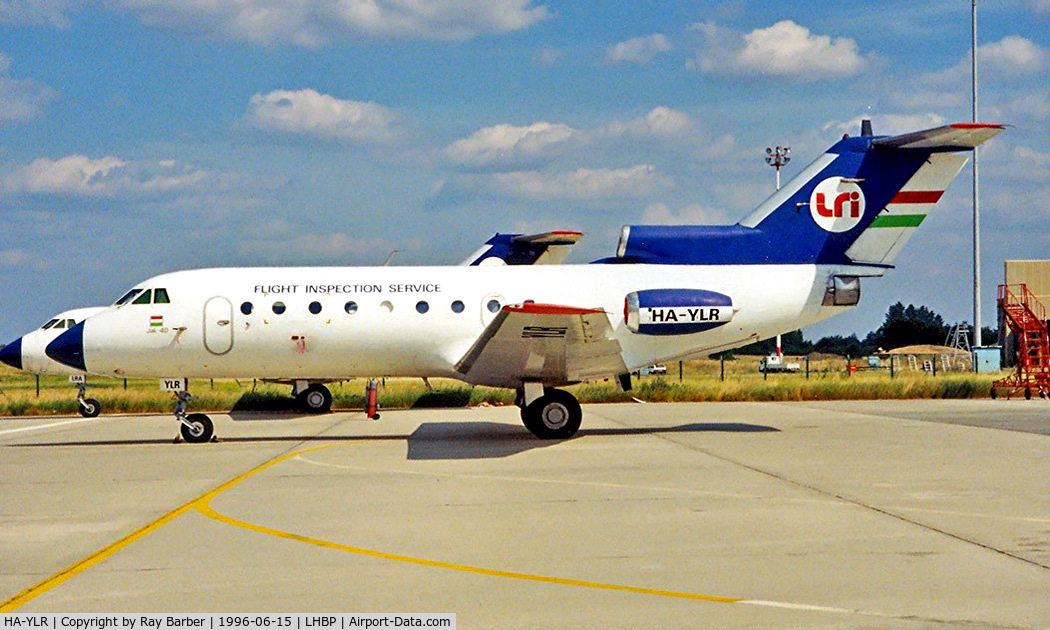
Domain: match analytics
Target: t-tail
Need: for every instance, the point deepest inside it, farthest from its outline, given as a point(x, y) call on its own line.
point(858, 203)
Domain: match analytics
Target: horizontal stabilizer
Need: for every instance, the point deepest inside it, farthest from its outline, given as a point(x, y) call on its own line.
point(954, 137)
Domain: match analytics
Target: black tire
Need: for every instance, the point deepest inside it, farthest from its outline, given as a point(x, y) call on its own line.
point(90, 408)
point(994, 394)
point(554, 416)
point(315, 399)
point(1028, 393)
point(201, 430)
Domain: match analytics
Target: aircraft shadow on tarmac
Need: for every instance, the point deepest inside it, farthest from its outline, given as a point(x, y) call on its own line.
point(485, 440)
point(454, 440)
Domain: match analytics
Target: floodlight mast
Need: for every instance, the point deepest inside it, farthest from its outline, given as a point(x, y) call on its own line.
point(776, 158)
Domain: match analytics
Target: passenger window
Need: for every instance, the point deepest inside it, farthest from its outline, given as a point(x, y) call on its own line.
point(351, 307)
point(246, 308)
point(127, 296)
point(278, 307)
point(457, 307)
point(493, 306)
point(160, 296)
point(49, 324)
point(422, 306)
point(315, 307)
point(143, 297)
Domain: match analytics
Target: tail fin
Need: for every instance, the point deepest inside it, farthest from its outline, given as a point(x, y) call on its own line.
point(857, 203)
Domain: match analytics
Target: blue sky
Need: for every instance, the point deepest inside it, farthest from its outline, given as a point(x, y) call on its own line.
point(143, 136)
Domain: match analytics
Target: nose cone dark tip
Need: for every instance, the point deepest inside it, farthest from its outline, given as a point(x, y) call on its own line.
point(11, 354)
point(68, 348)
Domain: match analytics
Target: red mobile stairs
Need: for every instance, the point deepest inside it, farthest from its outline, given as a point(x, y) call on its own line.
point(1026, 318)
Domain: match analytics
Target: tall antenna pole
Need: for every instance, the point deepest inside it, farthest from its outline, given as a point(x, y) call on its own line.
point(976, 207)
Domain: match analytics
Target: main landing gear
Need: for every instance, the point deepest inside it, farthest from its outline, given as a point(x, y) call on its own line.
point(312, 398)
point(196, 428)
point(550, 414)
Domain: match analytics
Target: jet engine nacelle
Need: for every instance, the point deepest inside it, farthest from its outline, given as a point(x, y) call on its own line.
point(676, 311)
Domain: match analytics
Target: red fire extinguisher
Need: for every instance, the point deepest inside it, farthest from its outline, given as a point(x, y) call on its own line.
point(371, 396)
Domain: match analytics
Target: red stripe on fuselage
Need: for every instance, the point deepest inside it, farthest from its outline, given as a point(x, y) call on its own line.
point(917, 196)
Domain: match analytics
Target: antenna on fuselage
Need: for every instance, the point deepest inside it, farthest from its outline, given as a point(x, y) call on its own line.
point(390, 256)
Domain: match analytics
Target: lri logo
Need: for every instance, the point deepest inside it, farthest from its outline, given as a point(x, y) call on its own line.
point(837, 204)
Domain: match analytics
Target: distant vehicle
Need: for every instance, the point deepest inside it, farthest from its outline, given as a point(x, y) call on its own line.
point(776, 363)
point(652, 369)
point(670, 292)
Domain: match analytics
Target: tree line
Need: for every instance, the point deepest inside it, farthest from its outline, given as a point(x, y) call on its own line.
point(903, 326)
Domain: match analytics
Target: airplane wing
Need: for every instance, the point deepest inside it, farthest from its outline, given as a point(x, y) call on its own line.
point(552, 344)
point(548, 248)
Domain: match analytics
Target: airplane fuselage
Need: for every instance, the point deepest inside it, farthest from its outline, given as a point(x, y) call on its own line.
point(416, 321)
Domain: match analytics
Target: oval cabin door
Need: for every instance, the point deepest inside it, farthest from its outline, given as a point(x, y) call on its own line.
point(218, 325)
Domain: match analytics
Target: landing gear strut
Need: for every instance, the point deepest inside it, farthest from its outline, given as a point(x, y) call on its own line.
point(196, 428)
point(555, 415)
point(89, 407)
point(314, 399)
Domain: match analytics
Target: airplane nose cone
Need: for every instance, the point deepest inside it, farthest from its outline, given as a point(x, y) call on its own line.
point(11, 354)
point(68, 348)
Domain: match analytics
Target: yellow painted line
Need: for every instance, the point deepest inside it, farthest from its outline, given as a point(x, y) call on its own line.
point(17, 601)
point(203, 505)
point(206, 509)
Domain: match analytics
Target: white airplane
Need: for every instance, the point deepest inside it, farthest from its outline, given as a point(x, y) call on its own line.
point(670, 292)
point(27, 354)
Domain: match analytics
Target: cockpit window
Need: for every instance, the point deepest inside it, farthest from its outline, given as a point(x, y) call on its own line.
point(49, 324)
point(71, 323)
point(59, 325)
point(127, 297)
point(144, 297)
point(160, 296)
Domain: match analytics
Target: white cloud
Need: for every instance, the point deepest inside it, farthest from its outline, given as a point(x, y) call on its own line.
point(888, 124)
point(309, 113)
point(21, 259)
point(21, 100)
point(513, 145)
point(659, 122)
point(583, 183)
point(317, 22)
point(547, 57)
point(1010, 57)
point(784, 49)
point(37, 12)
point(692, 214)
point(639, 50)
point(78, 175)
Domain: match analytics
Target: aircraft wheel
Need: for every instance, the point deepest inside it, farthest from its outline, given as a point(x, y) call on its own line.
point(994, 393)
point(315, 399)
point(199, 430)
point(554, 416)
point(90, 408)
point(1028, 393)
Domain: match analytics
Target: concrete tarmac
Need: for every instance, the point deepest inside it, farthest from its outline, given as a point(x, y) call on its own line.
point(880, 514)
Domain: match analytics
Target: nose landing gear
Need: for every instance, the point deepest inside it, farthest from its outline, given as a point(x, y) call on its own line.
point(196, 428)
point(89, 407)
